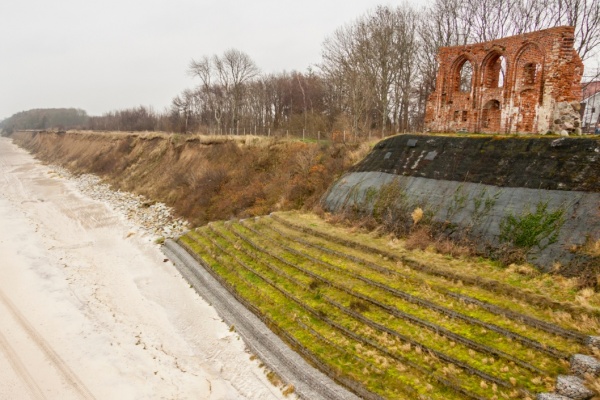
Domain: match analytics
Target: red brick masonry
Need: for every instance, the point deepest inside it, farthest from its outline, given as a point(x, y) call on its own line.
point(526, 83)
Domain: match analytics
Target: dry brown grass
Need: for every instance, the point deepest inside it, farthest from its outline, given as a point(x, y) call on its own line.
point(419, 239)
point(287, 390)
point(204, 178)
point(591, 247)
point(149, 135)
point(419, 245)
point(593, 382)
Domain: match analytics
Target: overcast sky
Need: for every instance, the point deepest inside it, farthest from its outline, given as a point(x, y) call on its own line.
point(113, 54)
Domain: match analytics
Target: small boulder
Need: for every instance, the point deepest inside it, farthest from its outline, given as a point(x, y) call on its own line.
point(582, 364)
point(551, 396)
point(573, 387)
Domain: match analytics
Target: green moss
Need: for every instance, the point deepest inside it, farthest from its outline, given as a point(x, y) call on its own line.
point(309, 300)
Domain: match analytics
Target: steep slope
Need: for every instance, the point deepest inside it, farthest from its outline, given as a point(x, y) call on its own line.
point(538, 195)
point(202, 178)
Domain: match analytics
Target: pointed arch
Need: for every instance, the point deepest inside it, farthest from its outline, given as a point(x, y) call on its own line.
point(462, 74)
point(494, 68)
point(529, 62)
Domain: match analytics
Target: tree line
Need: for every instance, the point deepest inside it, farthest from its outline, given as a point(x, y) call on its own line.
point(376, 72)
point(374, 78)
point(45, 118)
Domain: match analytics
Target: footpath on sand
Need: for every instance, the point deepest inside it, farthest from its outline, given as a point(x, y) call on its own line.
point(89, 309)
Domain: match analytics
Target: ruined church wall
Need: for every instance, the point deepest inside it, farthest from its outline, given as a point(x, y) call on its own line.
point(525, 83)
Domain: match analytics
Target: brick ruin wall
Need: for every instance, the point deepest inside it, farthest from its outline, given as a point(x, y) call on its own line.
point(527, 83)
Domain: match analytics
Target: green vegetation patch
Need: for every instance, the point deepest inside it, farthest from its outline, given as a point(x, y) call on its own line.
point(396, 323)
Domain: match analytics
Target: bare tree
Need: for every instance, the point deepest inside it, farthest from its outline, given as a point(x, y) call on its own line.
point(223, 79)
point(234, 69)
point(485, 20)
point(439, 25)
point(348, 89)
point(584, 15)
point(373, 63)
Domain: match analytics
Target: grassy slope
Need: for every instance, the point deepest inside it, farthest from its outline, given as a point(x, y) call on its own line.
point(389, 318)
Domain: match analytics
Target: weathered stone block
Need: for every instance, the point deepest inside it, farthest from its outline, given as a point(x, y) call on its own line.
point(551, 396)
point(582, 364)
point(573, 387)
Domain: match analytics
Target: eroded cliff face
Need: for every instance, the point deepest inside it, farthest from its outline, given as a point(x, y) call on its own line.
point(202, 178)
point(542, 195)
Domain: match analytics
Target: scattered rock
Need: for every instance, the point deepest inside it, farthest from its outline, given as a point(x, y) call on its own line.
point(593, 341)
point(582, 364)
point(572, 387)
point(551, 396)
point(149, 217)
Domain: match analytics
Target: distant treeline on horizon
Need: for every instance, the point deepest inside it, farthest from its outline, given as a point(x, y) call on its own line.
point(45, 118)
point(134, 119)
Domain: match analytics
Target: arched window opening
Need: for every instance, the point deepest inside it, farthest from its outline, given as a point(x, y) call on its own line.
point(491, 115)
point(465, 77)
point(501, 67)
point(494, 73)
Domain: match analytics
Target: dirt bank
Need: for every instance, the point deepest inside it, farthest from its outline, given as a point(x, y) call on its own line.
point(202, 178)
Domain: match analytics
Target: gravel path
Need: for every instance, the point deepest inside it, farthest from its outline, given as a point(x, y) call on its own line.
point(309, 383)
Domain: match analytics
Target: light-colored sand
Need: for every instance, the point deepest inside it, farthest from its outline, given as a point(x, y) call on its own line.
point(88, 312)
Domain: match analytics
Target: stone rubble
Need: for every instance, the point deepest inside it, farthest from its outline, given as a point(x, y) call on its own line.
point(572, 387)
point(551, 396)
point(153, 219)
point(582, 365)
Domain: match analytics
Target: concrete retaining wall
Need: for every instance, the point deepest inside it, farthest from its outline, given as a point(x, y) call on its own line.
point(477, 207)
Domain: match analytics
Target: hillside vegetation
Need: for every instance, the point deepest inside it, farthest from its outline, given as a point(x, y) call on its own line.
point(204, 178)
point(396, 323)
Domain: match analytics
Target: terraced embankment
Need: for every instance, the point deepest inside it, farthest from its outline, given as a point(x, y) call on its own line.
point(391, 325)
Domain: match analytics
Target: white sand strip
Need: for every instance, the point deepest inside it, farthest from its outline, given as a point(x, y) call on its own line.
point(89, 311)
